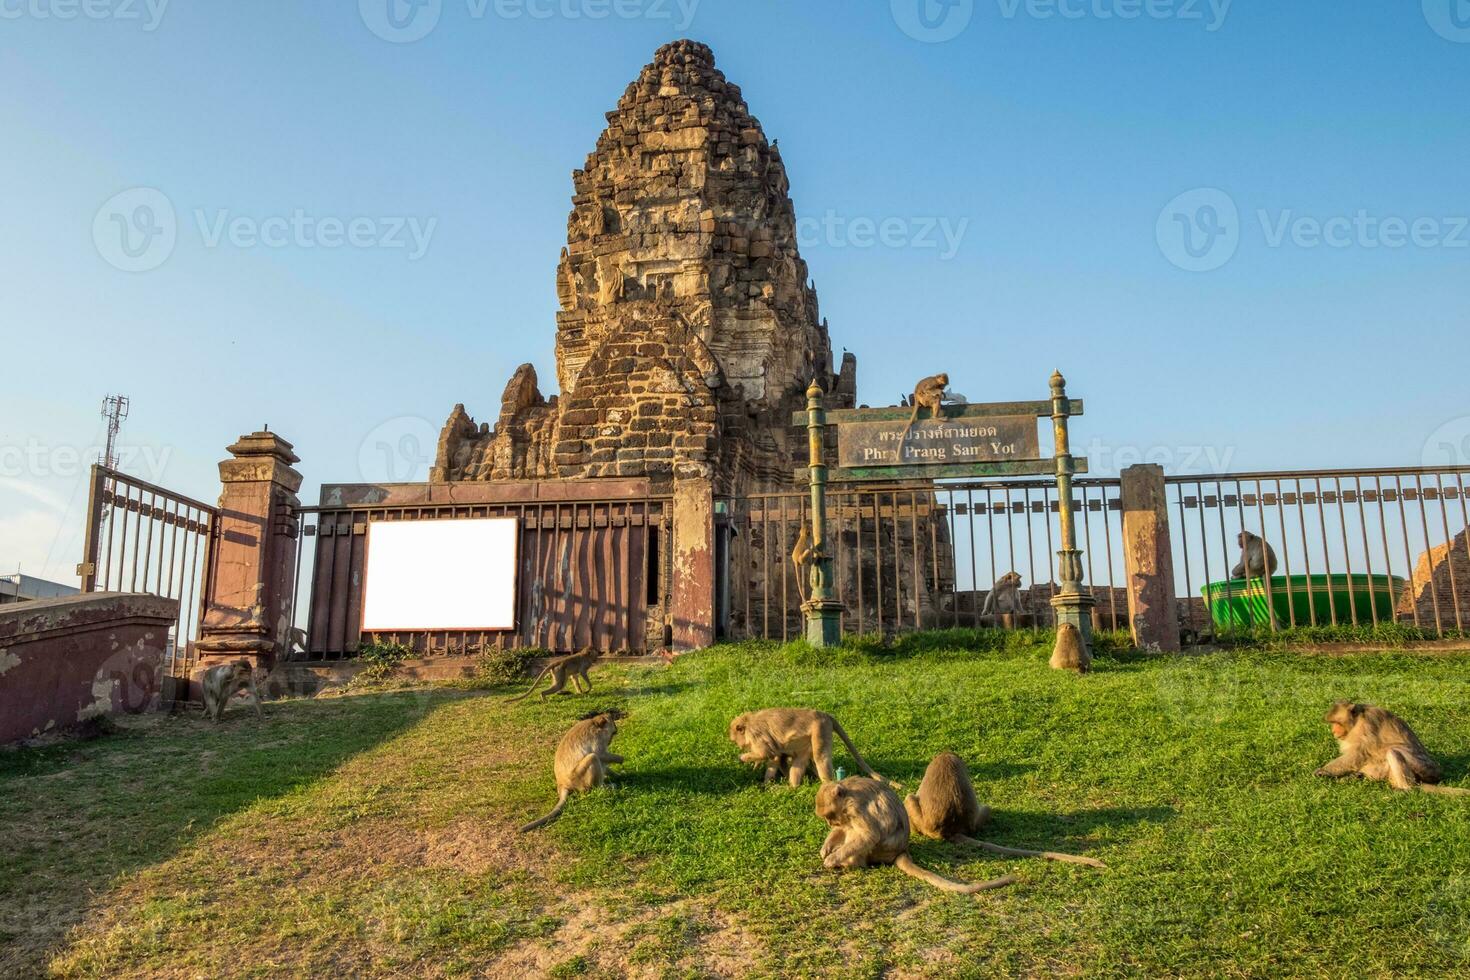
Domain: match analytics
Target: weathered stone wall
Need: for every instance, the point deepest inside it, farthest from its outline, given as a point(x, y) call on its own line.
point(687, 330)
point(1440, 587)
point(65, 661)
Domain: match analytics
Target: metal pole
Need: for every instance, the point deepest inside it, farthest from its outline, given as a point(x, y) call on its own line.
point(823, 610)
point(1073, 602)
point(88, 567)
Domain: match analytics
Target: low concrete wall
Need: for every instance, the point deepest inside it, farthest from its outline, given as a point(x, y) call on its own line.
point(65, 661)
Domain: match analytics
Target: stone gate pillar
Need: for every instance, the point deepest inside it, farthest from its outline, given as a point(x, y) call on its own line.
point(251, 578)
point(1149, 559)
point(692, 602)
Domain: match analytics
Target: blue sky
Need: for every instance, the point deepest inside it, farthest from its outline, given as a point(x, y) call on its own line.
point(1239, 228)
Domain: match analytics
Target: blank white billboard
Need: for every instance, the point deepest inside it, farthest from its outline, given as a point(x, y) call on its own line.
point(440, 575)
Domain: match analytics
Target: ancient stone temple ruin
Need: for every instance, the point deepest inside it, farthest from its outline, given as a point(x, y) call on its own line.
point(687, 330)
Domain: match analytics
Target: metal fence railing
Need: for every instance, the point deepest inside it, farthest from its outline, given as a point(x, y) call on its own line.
point(145, 538)
point(1352, 548)
point(925, 556)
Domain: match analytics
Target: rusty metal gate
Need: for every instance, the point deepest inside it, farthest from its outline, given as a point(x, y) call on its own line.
point(590, 573)
point(145, 538)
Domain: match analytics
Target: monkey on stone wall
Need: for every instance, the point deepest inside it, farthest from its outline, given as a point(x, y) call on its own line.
point(869, 826)
point(1257, 557)
point(222, 682)
point(946, 808)
point(581, 762)
point(1377, 744)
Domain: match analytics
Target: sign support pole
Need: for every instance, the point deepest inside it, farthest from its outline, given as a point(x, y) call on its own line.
point(823, 609)
point(1073, 602)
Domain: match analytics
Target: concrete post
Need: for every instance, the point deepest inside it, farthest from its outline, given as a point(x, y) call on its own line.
point(1149, 559)
point(248, 598)
point(692, 599)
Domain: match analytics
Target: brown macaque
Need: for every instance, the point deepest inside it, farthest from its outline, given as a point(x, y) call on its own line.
point(802, 557)
point(946, 808)
point(800, 735)
point(1377, 744)
point(929, 394)
point(222, 682)
point(869, 826)
point(581, 762)
point(563, 669)
point(1070, 652)
point(1006, 597)
point(1257, 557)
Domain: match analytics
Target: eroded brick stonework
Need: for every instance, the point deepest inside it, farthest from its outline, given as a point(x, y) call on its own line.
point(687, 329)
point(1439, 592)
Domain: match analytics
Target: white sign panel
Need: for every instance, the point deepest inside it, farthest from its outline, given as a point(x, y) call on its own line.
point(440, 575)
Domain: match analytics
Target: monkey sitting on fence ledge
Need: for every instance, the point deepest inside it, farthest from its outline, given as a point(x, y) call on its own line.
point(946, 808)
point(573, 668)
point(224, 681)
point(869, 826)
point(929, 394)
point(581, 762)
point(1377, 744)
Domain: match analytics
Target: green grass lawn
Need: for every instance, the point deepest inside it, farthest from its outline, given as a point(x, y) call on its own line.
point(373, 834)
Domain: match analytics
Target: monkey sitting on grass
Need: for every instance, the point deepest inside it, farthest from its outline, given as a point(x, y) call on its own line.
point(581, 762)
point(1377, 744)
point(946, 808)
point(869, 826)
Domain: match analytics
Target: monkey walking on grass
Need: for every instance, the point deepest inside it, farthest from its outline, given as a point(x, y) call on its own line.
point(801, 737)
point(573, 668)
point(222, 682)
point(1377, 744)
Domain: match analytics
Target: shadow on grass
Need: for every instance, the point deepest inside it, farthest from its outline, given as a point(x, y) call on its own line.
point(911, 771)
point(81, 815)
point(1039, 826)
